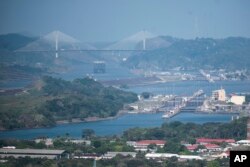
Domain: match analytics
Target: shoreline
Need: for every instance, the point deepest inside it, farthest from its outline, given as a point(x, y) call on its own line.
point(218, 112)
point(97, 119)
point(74, 121)
point(91, 119)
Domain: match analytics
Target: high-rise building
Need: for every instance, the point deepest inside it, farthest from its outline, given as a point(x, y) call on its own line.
point(219, 95)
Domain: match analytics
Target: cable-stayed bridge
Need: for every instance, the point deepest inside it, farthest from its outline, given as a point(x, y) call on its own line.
point(57, 50)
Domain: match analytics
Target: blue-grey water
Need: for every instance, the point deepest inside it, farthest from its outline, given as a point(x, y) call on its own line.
point(113, 71)
point(13, 84)
point(116, 126)
point(189, 87)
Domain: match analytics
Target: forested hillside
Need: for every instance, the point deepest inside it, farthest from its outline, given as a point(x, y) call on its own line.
point(54, 99)
point(229, 53)
point(12, 42)
point(177, 131)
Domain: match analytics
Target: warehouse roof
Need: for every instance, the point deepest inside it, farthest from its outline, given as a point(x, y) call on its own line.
point(31, 151)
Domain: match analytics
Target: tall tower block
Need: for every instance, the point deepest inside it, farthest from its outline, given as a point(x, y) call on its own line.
point(248, 129)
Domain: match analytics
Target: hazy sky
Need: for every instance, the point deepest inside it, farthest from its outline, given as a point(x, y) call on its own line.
point(109, 20)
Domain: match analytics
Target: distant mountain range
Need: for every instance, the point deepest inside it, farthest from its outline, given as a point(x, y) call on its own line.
point(163, 52)
point(229, 53)
point(11, 42)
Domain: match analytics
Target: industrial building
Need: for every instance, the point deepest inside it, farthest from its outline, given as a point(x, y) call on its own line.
point(210, 140)
point(243, 142)
point(110, 155)
point(32, 153)
point(236, 99)
point(162, 156)
point(219, 95)
point(143, 144)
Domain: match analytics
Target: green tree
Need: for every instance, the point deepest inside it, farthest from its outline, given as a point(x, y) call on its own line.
point(192, 140)
point(135, 163)
point(172, 162)
point(213, 163)
point(88, 133)
point(174, 147)
point(97, 143)
point(145, 95)
point(152, 146)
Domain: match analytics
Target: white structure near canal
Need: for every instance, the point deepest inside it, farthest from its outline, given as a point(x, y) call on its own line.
point(237, 100)
point(219, 95)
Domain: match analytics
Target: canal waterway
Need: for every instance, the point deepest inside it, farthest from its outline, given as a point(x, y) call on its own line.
point(115, 126)
point(119, 125)
point(187, 88)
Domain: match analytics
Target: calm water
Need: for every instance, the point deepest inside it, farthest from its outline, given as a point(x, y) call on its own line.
point(113, 71)
point(116, 126)
point(189, 87)
point(14, 84)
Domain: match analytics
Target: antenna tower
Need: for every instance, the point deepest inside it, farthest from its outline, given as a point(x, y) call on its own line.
point(56, 45)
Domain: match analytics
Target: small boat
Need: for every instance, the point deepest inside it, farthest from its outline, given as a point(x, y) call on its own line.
point(165, 116)
point(168, 114)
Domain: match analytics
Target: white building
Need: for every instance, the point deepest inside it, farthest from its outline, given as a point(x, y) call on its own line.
point(142, 145)
point(160, 155)
point(238, 100)
point(110, 155)
point(80, 141)
point(243, 142)
point(169, 155)
point(47, 141)
point(219, 95)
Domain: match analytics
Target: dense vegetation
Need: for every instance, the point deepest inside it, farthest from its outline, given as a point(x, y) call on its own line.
point(177, 131)
point(54, 99)
point(173, 132)
point(229, 53)
point(118, 161)
point(99, 146)
point(21, 144)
